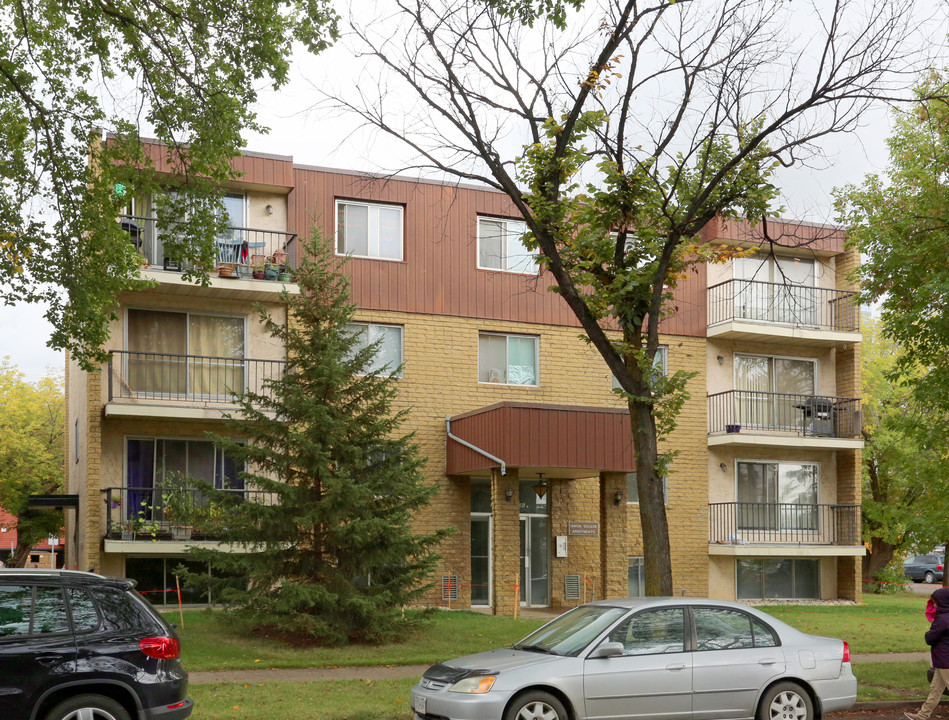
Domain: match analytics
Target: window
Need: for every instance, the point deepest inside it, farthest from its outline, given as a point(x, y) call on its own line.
point(632, 489)
point(368, 230)
point(777, 495)
point(183, 354)
point(636, 583)
point(772, 392)
point(507, 359)
point(775, 290)
point(21, 615)
point(786, 578)
point(16, 602)
point(652, 632)
point(500, 246)
point(85, 617)
point(149, 461)
point(660, 364)
point(388, 357)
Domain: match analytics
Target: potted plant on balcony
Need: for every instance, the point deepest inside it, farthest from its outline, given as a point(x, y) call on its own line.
point(257, 269)
point(177, 497)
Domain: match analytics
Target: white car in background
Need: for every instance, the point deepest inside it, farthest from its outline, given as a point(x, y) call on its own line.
point(647, 658)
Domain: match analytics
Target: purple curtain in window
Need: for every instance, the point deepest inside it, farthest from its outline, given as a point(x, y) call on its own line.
point(140, 473)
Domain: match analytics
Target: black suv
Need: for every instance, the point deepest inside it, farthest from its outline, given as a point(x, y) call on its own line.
point(76, 645)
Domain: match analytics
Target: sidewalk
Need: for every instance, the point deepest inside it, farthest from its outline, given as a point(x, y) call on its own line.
point(389, 672)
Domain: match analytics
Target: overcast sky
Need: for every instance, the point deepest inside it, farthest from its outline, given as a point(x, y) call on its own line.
point(313, 138)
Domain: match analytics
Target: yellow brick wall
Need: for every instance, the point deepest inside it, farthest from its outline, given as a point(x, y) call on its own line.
point(441, 380)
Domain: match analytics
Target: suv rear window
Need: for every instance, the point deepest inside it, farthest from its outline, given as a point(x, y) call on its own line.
point(122, 610)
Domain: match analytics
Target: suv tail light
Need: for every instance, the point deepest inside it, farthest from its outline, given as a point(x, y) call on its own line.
point(846, 651)
point(163, 648)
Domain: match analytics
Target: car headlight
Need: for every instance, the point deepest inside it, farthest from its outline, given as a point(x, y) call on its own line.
point(475, 684)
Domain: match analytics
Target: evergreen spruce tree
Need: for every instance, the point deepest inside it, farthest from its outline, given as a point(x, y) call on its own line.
point(330, 556)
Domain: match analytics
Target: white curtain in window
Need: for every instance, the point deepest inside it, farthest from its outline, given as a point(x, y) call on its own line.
point(492, 358)
point(389, 354)
point(157, 343)
point(522, 361)
point(491, 244)
point(216, 350)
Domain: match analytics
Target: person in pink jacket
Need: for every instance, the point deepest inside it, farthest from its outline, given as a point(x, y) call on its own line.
point(938, 639)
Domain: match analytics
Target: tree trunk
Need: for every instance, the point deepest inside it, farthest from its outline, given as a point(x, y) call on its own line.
point(657, 557)
point(879, 556)
point(21, 554)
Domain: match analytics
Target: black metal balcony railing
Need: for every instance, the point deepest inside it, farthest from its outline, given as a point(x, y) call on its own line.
point(267, 251)
point(799, 305)
point(187, 378)
point(162, 513)
point(747, 523)
point(806, 415)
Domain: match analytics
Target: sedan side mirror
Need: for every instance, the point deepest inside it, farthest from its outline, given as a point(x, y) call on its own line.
point(607, 650)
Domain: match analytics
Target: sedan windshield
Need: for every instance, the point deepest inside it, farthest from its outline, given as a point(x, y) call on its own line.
point(572, 631)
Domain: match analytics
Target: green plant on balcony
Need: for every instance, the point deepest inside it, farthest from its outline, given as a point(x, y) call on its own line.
point(177, 504)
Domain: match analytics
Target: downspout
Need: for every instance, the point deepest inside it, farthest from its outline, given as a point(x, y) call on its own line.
point(478, 450)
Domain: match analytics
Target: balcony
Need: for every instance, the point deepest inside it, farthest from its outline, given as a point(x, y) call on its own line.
point(797, 314)
point(251, 263)
point(756, 529)
point(143, 520)
point(747, 417)
point(143, 384)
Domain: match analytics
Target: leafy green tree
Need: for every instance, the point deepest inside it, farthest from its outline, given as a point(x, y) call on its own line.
point(642, 123)
point(331, 555)
point(186, 71)
point(31, 454)
point(900, 222)
point(906, 476)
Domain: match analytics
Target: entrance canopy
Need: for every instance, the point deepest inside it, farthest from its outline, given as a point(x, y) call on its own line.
point(562, 441)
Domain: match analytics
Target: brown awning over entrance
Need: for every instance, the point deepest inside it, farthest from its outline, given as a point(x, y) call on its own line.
point(563, 441)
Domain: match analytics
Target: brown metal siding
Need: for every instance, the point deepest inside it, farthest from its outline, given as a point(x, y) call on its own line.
point(439, 273)
point(542, 436)
point(256, 169)
point(786, 233)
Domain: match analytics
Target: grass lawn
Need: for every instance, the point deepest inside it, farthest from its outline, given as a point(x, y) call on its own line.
point(388, 699)
point(891, 681)
point(884, 623)
point(213, 640)
point(332, 700)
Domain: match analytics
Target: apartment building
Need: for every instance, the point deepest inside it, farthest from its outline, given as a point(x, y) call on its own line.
point(526, 440)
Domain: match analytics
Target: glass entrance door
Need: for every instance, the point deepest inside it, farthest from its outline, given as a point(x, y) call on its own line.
point(535, 561)
point(480, 559)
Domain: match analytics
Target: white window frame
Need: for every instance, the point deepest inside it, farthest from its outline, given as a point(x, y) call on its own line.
point(533, 270)
point(641, 565)
point(372, 237)
point(661, 360)
point(392, 371)
point(507, 364)
point(631, 482)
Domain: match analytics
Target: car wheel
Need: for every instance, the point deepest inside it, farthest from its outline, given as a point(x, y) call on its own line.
point(929, 578)
point(786, 701)
point(536, 705)
point(88, 707)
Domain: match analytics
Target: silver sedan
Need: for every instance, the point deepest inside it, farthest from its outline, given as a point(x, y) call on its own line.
point(655, 658)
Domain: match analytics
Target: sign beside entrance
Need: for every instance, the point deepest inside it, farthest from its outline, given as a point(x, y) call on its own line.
point(583, 528)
